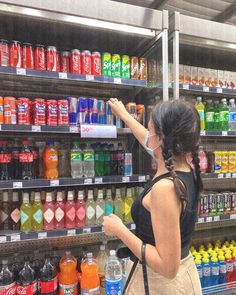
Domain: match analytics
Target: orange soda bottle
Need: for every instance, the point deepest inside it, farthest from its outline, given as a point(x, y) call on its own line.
point(50, 161)
point(68, 279)
point(90, 279)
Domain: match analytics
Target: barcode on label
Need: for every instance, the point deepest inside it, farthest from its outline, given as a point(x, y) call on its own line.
point(36, 128)
point(20, 71)
point(221, 175)
point(89, 77)
point(203, 133)
point(209, 219)
point(15, 237)
point(216, 218)
point(219, 90)
point(98, 180)
point(125, 179)
point(71, 232)
point(42, 235)
point(141, 178)
point(206, 89)
point(117, 80)
point(54, 182)
point(17, 184)
point(224, 133)
point(62, 75)
point(87, 230)
point(88, 181)
point(186, 86)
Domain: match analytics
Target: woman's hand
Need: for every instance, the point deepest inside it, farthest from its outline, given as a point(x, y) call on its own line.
point(118, 108)
point(113, 225)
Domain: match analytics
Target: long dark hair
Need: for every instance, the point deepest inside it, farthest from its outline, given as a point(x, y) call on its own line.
point(178, 125)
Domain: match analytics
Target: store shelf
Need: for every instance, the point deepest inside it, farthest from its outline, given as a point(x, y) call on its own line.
point(216, 218)
point(209, 176)
point(41, 183)
point(218, 133)
point(226, 289)
point(19, 236)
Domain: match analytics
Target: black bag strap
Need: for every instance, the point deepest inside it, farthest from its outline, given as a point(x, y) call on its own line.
point(144, 266)
point(130, 275)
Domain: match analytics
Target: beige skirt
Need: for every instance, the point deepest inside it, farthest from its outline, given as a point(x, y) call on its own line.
point(186, 281)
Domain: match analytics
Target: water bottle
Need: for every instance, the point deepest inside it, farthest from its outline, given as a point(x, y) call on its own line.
point(206, 273)
point(232, 115)
point(88, 163)
point(222, 273)
point(200, 270)
point(215, 270)
point(113, 275)
point(76, 160)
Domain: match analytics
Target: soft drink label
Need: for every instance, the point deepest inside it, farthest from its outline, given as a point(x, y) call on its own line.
point(5, 158)
point(15, 215)
point(94, 291)
point(88, 157)
point(23, 110)
point(23, 217)
point(222, 268)
point(75, 62)
point(96, 64)
point(15, 54)
point(63, 113)
point(47, 287)
point(8, 290)
point(52, 111)
point(68, 289)
point(229, 267)
point(59, 214)
point(48, 215)
point(39, 112)
point(232, 117)
point(26, 157)
point(206, 271)
point(215, 270)
point(224, 116)
point(90, 212)
point(71, 214)
point(113, 287)
point(38, 216)
point(27, 290)
point(81, 213)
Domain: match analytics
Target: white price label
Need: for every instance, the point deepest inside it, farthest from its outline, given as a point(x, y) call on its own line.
point(117, 80)
point(17, 184)
point(103, 230)
point(3, 239)
point(15, 237)
point(71, 232)
point(62, 75)
point(205, 89)
point(36, 128)
point(186, 86)
point(125, 179)
point(74, 129)
point(221, 175)
point(142, 178)
point(209, 219)
point(217, 218)
point(54, 182)
point(228, 175)
point(219, 90)
point(89, 78)
point(87, 230)
point(132, 226)
point(203, 133)
point(233, 175)
point(88, 181)
point(98, 180)
point(224, 133)
point(232, 216)
point(98, 131)
point(20, 71)
point(42, 235)
point(0, 127)
point(200, 220)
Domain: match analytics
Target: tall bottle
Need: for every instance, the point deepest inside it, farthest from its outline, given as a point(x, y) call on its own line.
point(99, 159)
point(109, 205)
point(215, 271)
point(26, 282)
point(201, 111)
point(102, 261)
point(47, 282)
point(232, 115)
point(5, 212)
point(120, 159)
point(107, 159)
point(76, 160)
point(209, 116)
point(5, 161)
point(127, 205)
point(15, 267)
point(229, 267)
point(59, 221)
point(80, 210)
point(113, 275)
point(91, 212)
point(15, 212)
point(118, 204)
point(35, 168)
point(26, 159)
point(217, 115)
point(26, 214)
point(37, 212)
point(113, 159)
point(50, 160)
point(198, 264)
point(234, 270)
point(15, 151)
point(48, 212)
point(90, 283)
point(70, 211)
point(203, 161)
point(100, 208)
point(63, 161)
point(222, 272)
point(206, 273)
point(224, 115)
point(7, 280)
point(88, 163)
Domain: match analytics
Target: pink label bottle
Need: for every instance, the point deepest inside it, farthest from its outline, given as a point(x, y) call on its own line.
point(48, 213)
point(70, 211)
point(203, 161)
point(80, 210)
point(59, 212)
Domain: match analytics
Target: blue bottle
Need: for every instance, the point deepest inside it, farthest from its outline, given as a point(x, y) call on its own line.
point(200, 270)
point(215, 270)
point(206, 267)
point(222, 272)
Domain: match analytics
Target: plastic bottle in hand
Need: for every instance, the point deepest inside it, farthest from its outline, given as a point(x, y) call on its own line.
point(118, 204)
point(76, 160)
point(90, 283)
point(109, 205)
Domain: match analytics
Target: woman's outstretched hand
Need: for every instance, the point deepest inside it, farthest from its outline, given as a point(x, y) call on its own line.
point(118, 108)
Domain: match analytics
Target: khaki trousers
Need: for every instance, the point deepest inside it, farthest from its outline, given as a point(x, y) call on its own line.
point(186, 281)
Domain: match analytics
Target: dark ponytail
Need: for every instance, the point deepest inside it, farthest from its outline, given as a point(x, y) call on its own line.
point(196, 163)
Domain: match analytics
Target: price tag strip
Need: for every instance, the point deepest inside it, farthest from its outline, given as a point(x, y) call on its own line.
point(71, 232)
point(36, 128)
point(17, 184)
point(98, 131)
point(62, 75)
point(15, 237)
point(54, 182)
point(20, 71)
point(42, 235)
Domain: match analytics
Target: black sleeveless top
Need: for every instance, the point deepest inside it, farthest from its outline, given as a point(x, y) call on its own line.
point(142, 217)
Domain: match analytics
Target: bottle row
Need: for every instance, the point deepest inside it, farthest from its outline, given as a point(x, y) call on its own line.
point(37, 211)
point(216, 263)
point(217, 115)
point(66, 275)
point(26, 160)
point(39, 57)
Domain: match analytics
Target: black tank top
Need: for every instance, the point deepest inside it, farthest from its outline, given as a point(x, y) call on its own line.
point(142, 217)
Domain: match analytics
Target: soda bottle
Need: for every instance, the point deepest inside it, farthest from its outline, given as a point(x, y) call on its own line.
point(107, 160)
point(76, 160)
point(15, 267)
point(5, 161)
point(59, 221)
point(36, 263)
point(26, 282)
point(216, 116)
point(128, 202)
point(80, 210)
point(113, 275)
point(5, 213)
point(224, 115)
point(232, 115)
point(63, 161)
point(102, 261)
point(203, 161)
point(15, 151)
point(70, 211)
point(47, 282)
point(120, 159)
point(100, 208)
point(26, 159)
point(210, 116)
point(206, 267)
point(99, 160)
point(50, 160)
point(26, 214)
point(15, 212)
point(215, 271)
point(7, 280)
point(55, 259)
point(91, 212)
point(109, 204)
point(48, 212)
point(198, 264)
point(118, 204)
point(201, 111)
point(90, 283)
point(234, 270)
point(37, 211)
point(88, 163)
point(68, 279)
point(229, 267)
point(113, 162)
point(35, 169)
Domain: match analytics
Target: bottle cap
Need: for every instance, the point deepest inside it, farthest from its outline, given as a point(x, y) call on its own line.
point(214, 259)
point(228, 256)
point(15, 197)
point(222, 258)
point(198, 261)
point(70, 196)
point(112, 253)
point(5, 197)
point(59, 197)
point(102, 248)
point(80, 195)
point(100, 194)
point(48, 197)
point(26, 197)
point(89, 255)
point(205, 259)
point(90, 194)
point(37, 197)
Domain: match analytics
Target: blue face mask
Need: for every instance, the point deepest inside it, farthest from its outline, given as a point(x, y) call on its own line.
point(148, 149)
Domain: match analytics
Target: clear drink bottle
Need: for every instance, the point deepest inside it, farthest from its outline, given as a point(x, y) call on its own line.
point(232, 115)
point(128, 202)
point(118, 204)
point(80, 210)
point(63, 161)
point(7, 280)
point(88, 163)
point(59, 212)
point(26, 214)
point(5, 212)
point(109, 205)
point(37, 211)
point(48, 213)
point(15, 212)
point(91, 210)
point(76, 160)
point(209, 116)
point(201, 111)
point(224, 115)
point(70, 211)
point(100, 208)
point(102, 261)
point(107, 159)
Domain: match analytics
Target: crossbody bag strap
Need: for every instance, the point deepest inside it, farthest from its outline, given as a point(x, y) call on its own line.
point(144, 267)
point(130, 275)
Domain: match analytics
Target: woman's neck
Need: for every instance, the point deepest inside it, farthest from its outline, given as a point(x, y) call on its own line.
point(180, 164)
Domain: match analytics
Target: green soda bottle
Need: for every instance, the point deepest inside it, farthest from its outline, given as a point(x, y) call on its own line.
point(201, 111)
point(99, 160)
point(216, 116)
point(125, 67)
point(127, 205)
point(116, 66)
point(224, 115)
point(209, 116)
point(26, 214)
point(106, 64)
point(107, 160)
point(37, 212)
point(118, 204)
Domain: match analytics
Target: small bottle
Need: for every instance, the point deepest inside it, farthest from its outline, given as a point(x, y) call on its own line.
point(100, 208)
point(91, 212)
point(70, 211)
point(90, 283)
point(201, 111)
point(7, 280)
point(37, 208)
point(203, 161)
point(215, 271)
point(128, 202)
point(15, 212)
point(26, 214)
point(80, 210)
point(47, 282)
point(232, 115)
point(118, 204)
point(48, 213)
point(102, 259)
point(5, 212)
point(59, 212)
point(198, 264)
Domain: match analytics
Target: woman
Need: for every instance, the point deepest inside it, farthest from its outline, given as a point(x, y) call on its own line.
point(165, 212)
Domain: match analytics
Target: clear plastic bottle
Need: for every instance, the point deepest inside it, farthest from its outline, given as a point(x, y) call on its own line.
point(76, 160)
point(127, 205)
point(109, 205)
point(224, 115)
point(88, 161)
point(48, 212)
point(59, 212)
point(118, 204)
point(102, 261)
point(37, 208)
point(63, 161)
point(113, 275)
point(26, 214)
point(232, 115)
point(70, 211)
point(7, 280)
point(80, 210)
point(100, 208)
point(201, 111)
point(5, 212)
point(91, 210)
